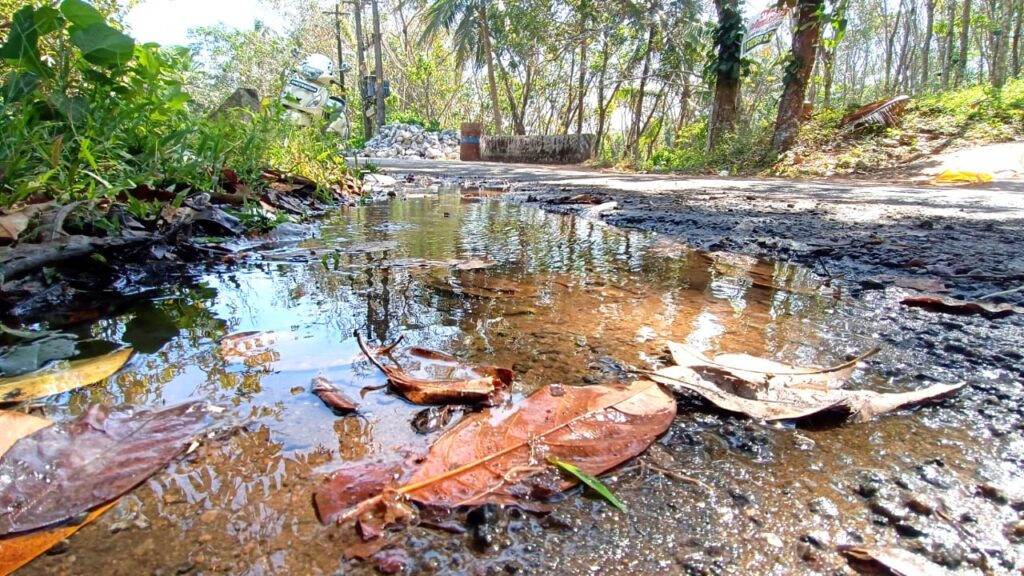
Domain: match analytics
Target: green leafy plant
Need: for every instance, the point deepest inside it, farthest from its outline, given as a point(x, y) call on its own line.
point(88, 113)
point(590, 480)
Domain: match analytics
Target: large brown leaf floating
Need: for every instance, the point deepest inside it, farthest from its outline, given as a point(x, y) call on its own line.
point(61, 377)
point(431, 377)
point(500, 455)
point(17, 551)
point(769, 390)
point(61, 471)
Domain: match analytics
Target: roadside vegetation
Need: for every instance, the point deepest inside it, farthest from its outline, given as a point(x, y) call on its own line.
point(90, 114)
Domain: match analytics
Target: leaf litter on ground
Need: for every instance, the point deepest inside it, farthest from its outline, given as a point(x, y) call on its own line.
point(500, 456)
point(63, 470)
point(62, 377)
point(769, 390)
point(424, 376)
point(16, 551)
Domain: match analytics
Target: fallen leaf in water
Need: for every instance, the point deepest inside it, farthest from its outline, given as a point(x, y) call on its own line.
point(61, 471)
point(769, 390)
point(961, 307)
point(62, 377)
point(499, 455)
point(591, 481)
point(334, 398)
point(896, 560)
point(425, 376)
point(481, 285)
point(17, 551)
point(15, 426)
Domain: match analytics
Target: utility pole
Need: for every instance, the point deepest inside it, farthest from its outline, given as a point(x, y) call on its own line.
point(361, 57)
point(337, 13)
point(378, 65)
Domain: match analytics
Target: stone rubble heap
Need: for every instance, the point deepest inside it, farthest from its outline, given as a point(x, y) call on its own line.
point(411, 141)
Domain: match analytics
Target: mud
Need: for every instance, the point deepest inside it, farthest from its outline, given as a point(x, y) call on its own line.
point(718, 494)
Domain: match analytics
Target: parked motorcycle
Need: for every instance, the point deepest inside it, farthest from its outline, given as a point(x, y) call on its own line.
point(307, 97)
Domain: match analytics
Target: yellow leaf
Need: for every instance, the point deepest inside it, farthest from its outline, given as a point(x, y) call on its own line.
point(20, 550)
point(962, 177)
point(62, 377)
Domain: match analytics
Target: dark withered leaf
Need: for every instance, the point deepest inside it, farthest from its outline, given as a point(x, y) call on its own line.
point(334, 398)
point(70, 467)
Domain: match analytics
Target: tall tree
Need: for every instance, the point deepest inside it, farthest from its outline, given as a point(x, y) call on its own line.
point(727, 66)
point(961, 62)
point(926, 49)
point(1015, 50)
point(467, 22)
point(947, 53)
point(798, 72)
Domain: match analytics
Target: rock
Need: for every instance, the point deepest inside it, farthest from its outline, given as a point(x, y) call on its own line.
point(922, 505)
point(888, 509)
point(380, 180)
point(824, 507)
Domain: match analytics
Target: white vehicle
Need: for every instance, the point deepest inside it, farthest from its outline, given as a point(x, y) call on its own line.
point(307, 98)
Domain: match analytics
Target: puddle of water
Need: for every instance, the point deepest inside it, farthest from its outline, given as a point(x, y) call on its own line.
point(567, 301)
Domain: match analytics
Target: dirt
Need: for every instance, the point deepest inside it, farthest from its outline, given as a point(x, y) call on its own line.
point(718, 494)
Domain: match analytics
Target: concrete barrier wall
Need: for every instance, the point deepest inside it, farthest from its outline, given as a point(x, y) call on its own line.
point(563, 149)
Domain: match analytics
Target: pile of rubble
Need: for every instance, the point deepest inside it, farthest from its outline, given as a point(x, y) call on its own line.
point(411, 141)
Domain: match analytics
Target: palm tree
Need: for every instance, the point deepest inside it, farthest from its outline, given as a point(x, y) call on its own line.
point(467, 22)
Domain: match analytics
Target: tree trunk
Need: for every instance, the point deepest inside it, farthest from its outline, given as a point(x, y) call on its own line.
point(947, 52)
point(925, 53)
point(378, 64)
point(635, 127)
point(726, 102)
point(517, 118)
point(1016, 49)
point(961, 63)
point(1002, 15)
point(903, 64)
point(361, 57)
point(602, 110)
point(582, 88)
point(791, 104)
point(485, 33)
point(890, 45)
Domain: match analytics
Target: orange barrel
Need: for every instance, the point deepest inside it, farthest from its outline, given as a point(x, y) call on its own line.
point(469, 141)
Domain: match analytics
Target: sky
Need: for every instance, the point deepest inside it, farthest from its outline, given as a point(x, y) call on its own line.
point(167, 21)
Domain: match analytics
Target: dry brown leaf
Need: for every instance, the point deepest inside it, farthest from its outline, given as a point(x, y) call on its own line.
point(500, 455)
point(769, 373)
point(62, 377)
point(747, 385)
point(20, 550)
point(14, 223)
point(896, 560)
point(961, 307)
point(425, 376)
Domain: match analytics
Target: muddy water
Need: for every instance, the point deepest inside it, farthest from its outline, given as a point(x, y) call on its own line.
point(568, 301)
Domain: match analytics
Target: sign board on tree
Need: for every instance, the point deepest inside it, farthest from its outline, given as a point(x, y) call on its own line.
point(763, 28)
